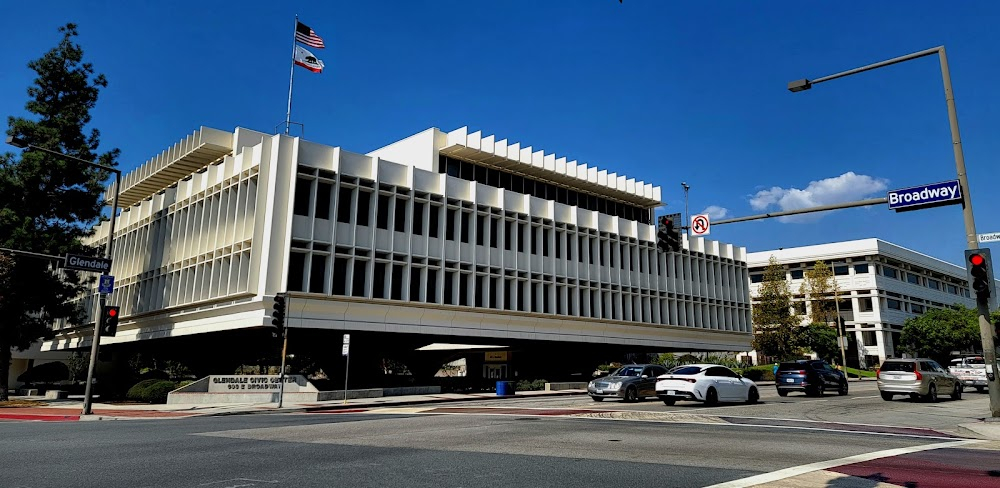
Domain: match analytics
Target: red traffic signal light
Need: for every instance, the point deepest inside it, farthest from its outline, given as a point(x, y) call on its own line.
point(109, 320)
point(980, 275)
point(977, 259)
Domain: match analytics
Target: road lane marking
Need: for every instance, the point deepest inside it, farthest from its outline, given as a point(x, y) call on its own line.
point(858, 398)
point(833, 463)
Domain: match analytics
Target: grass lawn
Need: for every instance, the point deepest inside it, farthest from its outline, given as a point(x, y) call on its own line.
point(851, 372)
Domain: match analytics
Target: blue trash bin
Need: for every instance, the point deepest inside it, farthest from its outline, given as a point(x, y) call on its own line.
point(505, 388)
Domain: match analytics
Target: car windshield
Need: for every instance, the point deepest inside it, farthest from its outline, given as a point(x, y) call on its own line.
point(629, 371)
point(685, 370)
point(906, 367)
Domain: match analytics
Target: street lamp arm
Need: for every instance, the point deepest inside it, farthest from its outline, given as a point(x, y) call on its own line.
point(880, 64)
point(17, 143)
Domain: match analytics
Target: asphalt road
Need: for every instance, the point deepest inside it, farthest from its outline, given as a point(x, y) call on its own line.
point(457, 445)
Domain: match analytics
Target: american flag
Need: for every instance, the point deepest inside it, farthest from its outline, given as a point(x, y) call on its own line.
point(307, 36)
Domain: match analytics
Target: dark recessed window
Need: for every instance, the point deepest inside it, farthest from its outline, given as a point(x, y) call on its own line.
point(399, 225)
point(339, 276)
point(364, 200)
point(303, 187)
point(323, 194)
point(433, 231)
point(382, 213)
point(418, 218)
point(378, 290)
point(296, 271)
point(344, 205)
point(358, 280)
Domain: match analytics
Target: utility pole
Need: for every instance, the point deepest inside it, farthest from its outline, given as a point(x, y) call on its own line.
point(687, 213)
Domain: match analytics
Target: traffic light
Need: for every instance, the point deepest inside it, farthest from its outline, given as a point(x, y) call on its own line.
point(981, 274)
point(278, 315)
point(109, 321)
point(668, 233)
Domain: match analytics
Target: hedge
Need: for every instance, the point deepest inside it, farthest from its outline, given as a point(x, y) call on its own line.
point(759, 373)
point(151, 391)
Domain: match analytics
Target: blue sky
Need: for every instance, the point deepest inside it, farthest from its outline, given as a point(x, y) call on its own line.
point(665, 92)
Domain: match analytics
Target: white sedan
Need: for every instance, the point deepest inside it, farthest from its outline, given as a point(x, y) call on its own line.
point(709, 383)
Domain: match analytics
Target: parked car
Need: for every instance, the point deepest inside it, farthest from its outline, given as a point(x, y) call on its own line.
point(971, 371)
point(812, 376)
point(918, 378)
point(630, 383)
point(709, 383)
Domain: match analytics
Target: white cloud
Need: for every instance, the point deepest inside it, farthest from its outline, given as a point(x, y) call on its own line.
point(847, 187)
point(716, 212)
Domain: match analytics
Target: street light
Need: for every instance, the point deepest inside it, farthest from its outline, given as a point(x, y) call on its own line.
point(21, 143)
point(985, 328)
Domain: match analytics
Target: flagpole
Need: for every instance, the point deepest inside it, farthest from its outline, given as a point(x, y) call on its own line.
point(291, 78)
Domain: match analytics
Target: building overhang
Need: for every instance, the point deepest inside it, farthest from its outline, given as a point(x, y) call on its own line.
point(194, 152)
point(537, 164)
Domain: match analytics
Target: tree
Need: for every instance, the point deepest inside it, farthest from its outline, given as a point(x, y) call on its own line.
point(48, 204)
point(819, 287)
point(938, 332)
point(821, 339)
point(775, 328)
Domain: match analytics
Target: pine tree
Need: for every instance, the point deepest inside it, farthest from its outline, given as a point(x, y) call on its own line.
point(775, 328)
point(47, 203)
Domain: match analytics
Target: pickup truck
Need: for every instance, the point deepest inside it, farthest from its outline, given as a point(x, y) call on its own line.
point(971, 370)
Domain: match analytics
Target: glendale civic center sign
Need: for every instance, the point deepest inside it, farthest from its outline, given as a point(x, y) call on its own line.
point(925, 196)
point(256, 384)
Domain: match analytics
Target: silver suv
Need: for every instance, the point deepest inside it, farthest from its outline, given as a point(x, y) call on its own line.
point(918, 378)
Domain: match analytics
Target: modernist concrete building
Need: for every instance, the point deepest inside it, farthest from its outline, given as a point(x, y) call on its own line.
point(442, 236)
point(882, 285)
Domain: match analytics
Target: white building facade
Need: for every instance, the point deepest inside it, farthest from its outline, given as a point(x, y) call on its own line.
point(881, 285)
point(445, 233)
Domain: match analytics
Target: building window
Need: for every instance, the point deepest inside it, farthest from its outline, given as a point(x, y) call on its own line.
point(303, 187)
point(508, 236)
point(913, 278)
point(953, 289)
point(464, 231)
point(364, 202)
point(868, 337)
point(399, 222)
point(382, 212)
point(339, 276)
point(933, 284)
point(324, 191)
point(378, 290)
point(358, 280)
point(418, 219)
point(432, 280)
point(494, 232)
point(480, 230)
point(397, 282)
point(796, 274)
point(756, 278)
point(449, 224)
point(799, 308)
point(915, 308)
point(296, 271)
point(433, 231)
point(841, 270)
point(545, 243)
point(860, 268)
point(865, 304)
point(890, 272)
point(893, 304)
point(344, 205)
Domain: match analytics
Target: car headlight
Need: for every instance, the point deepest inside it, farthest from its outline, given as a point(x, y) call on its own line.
point(590, 385)
point(614, 386)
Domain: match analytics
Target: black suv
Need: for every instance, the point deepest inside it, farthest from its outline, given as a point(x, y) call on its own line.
point(813, 376)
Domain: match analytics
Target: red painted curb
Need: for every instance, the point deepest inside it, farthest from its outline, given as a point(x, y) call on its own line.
point(47, 418)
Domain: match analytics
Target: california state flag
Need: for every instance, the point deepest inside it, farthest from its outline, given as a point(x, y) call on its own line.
point(306, 60)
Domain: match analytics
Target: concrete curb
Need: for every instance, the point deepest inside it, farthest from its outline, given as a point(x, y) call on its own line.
point(366, 406)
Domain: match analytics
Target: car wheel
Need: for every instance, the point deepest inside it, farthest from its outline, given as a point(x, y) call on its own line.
point(914, 396)
point(782, 393)
point(957, 394)
point(711, 397)
point(980, 389)
point(669, 401)
point(931, 394)
point(843, 388)
point(752, 396)
point(631, 394)
point(887, 396)
point(817, 390)
point(597, 399)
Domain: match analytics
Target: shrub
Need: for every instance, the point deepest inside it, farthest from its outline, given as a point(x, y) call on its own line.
point(532, 385)
point(151, 391)
point(759, 373)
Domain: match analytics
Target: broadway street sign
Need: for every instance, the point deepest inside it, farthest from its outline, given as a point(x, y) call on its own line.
point(925, 196)
point(87, 263)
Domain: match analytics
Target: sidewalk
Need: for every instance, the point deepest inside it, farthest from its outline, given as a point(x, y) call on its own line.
point(71, 409)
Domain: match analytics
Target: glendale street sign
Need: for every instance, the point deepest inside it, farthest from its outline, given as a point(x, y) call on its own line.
point(86, 263)
point(925, 196)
